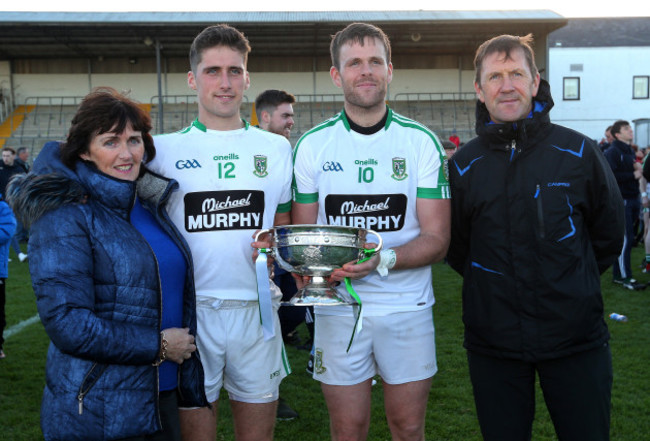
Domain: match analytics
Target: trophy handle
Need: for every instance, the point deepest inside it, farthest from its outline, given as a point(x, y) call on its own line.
point(259, 233)
point(381, 241)
point(270, 251)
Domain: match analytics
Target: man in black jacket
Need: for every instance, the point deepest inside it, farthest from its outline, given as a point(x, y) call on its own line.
point(537, 217)
point(627, 172)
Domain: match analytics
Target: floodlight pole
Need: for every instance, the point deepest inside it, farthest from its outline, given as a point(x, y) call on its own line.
point(161, 125)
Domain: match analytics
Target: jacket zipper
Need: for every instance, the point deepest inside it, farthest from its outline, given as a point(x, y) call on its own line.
point(155, 258)
point(82, 392)
point(540, 212)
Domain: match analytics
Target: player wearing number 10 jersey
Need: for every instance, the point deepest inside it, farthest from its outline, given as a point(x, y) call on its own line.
point(369, 167)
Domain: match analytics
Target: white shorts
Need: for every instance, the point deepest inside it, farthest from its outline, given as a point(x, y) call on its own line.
point(400, 347)
point(234, 354)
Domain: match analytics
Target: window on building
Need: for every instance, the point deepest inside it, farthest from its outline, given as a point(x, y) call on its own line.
point(571, 88)
point(640, 88)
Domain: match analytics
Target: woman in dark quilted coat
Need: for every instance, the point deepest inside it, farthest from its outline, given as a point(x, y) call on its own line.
point(112, 280)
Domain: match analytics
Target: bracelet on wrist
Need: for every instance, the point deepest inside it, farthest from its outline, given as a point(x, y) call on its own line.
point(162, 355)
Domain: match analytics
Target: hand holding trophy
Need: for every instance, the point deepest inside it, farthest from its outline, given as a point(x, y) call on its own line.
point(316, 251)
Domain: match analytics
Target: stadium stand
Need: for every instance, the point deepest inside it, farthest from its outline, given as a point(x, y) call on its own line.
point(44, 119)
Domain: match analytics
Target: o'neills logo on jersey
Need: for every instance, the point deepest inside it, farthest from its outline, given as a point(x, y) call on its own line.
point(224, 210)
point(377, 212)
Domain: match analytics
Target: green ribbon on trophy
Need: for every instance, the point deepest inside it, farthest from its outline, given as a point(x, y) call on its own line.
point(357, 309)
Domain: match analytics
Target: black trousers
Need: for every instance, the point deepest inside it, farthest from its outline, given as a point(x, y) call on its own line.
point(577, 391)
point(171, 427)
point(3, 319)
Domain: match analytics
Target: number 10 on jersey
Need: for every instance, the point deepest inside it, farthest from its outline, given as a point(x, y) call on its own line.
point(366, 174)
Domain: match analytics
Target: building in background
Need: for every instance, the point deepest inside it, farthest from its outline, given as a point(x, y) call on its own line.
point(600, 73)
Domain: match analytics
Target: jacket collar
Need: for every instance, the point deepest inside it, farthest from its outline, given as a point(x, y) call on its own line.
point(115, 194)
point(622, 146)
point(524, 131)
point(153, 189)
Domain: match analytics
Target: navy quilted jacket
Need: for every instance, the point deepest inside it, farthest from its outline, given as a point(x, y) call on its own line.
point(98, 295)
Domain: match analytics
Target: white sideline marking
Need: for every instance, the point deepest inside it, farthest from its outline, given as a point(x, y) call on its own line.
point(15, 329)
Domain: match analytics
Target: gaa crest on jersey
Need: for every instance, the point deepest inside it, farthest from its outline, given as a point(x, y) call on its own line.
point(399, 169)
point(318, 361)
point(261, 164)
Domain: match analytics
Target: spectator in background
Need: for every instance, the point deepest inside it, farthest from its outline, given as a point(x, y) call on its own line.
point(454, 138)
point(622, 160)
point(22, 158)
point(607, 140)
point(9, 168)
point(450, 148)
point(274, 112)
point(644, 187)
point(7, 228)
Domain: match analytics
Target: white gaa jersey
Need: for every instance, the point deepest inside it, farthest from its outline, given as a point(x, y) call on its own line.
point(231, 184)
point(373, 181)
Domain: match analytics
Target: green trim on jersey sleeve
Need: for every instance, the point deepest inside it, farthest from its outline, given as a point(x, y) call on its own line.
point(305, 198)
point(327, 123)
point(284, 208)
point(407, 122)
point(434, 193)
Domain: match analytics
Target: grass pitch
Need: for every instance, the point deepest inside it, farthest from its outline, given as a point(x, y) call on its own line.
point(450, 413)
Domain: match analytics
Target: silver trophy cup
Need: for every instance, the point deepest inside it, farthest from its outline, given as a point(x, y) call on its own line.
point(316, 251)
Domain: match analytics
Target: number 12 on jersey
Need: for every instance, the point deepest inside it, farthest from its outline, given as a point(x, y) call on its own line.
point(226, 170)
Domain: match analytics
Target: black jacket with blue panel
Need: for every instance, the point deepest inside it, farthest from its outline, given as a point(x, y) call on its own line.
point(537, 217)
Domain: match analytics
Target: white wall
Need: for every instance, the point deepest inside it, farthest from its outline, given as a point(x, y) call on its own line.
point(605, 87)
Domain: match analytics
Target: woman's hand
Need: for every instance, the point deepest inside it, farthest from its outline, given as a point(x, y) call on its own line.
point(180, 344)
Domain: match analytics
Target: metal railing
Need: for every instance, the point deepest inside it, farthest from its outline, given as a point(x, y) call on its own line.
point(442, 112)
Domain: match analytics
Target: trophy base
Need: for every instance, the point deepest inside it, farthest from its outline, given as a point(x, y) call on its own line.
point(318, 293)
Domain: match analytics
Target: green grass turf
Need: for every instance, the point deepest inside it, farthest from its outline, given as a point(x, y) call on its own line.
point(450, 413)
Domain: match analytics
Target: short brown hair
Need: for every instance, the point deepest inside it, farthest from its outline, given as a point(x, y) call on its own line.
point(505, 44)
point(218, 35)
point(101, 111)
point(357, 33)
point(270, 99)
point(617, 126)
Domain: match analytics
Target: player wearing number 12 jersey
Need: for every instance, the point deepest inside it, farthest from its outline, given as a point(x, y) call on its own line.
point(233, 179)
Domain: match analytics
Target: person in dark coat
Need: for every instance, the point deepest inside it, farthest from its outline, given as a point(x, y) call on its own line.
point(627, 171)
point(113, 281)
point(7, 229)
point(537, 217)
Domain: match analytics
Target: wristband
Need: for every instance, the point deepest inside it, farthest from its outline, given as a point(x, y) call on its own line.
point(162, 355)
point(387, 259)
